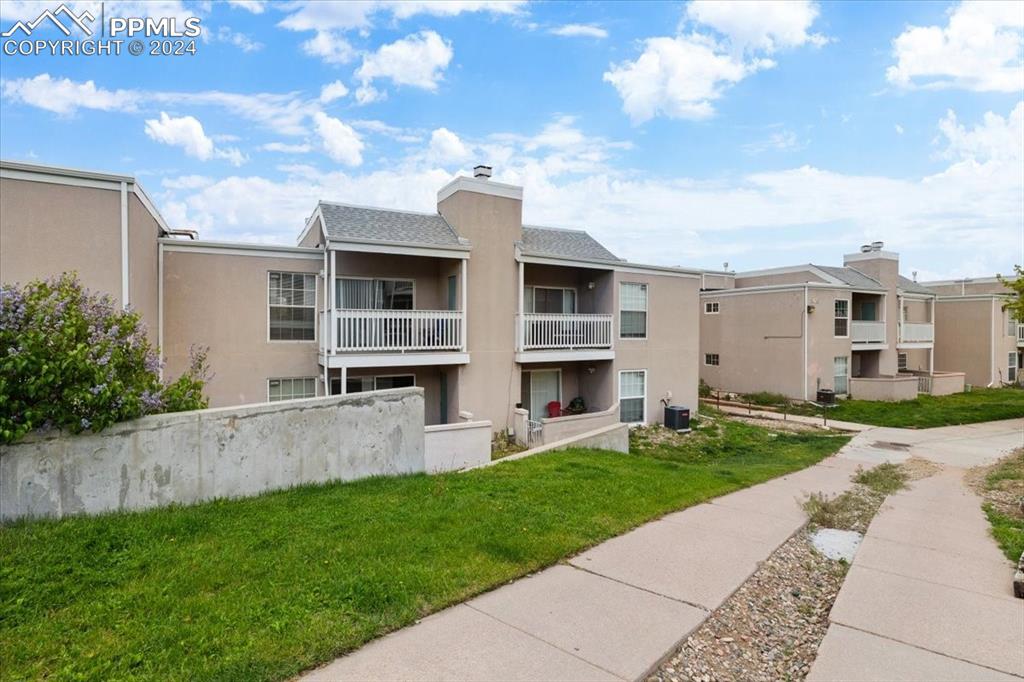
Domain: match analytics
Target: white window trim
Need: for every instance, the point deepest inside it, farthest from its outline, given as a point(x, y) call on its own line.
point(531, 372)
point(712, 364)
point(646, 311)
point(387, 279)
point(316, 317)
point(315, 384)
point(618, 391)
point(534, 287)
point(847, 375)
point(708, 305)
point(848, 318)
point(906, 360)
point(1011, 364)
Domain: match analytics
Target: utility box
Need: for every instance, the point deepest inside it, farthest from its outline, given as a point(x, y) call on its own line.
point(677, 417)
point(826, 396)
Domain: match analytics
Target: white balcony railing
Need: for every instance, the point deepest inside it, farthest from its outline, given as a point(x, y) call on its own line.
point(397, 331)
point(539, 331)
point(917, 332)
point(864, 331)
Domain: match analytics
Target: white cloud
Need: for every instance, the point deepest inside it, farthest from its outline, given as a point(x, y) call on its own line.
point(367, 94)
point(981, 48)
point(579, 30)
point(766, 25)
point(331, 47)
point(381, 128)
point(285, 113)
point(332, 91)
point(341, 142)
point(995, 139)
point(243, 42)
point(254, 6)
point(232, 155)
point(185, 132)
point(450, 8)
point(781, 140)
point(418, 60)
point(899, 129)
point(287, 148)
point(321, 15)
point(678, 77)
point(446, 147)
point(187, 182)
point(65, 96)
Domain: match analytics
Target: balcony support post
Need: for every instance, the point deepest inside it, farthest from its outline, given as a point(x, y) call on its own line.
point(334, 303)
point(520, 326)
point(465, 303)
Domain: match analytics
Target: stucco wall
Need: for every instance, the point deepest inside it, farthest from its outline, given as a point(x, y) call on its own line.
point(967, 337)
point(230, 452)
point(451, 447)
point(947, 383)
point(219, 300)
point(884, 388)
point(143, 267)
point(570, 426)
point(780, 278)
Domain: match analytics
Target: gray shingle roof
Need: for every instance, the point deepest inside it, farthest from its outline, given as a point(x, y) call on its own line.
point(852, 277)
point(912, 287)
point(562, 243)
point(376, 224)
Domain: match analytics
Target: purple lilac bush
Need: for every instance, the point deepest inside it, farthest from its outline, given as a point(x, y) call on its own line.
point(70, 359)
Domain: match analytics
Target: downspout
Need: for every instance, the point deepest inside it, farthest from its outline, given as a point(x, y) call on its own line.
point(125, 300)
point(160, 306)
point(805, 334)
point(992, 351)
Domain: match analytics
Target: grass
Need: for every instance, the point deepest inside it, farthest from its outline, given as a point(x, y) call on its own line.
point(1003, 491)
point(926, 411)
point(262, 588)
point(854, 509)
point(765, 398)
point(886, 478)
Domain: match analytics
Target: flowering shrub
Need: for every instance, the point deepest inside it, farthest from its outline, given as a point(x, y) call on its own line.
point(70, 359)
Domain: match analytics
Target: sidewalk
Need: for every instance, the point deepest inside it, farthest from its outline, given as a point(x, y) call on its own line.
point(928, 596)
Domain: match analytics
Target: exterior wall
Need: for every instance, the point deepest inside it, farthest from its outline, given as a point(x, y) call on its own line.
point(823, 346)
point(758, 337)
point(981, 285)
point(917, 359)
point(428, 274)
point(884, 267)
point(669, 353)
point(143, 265)
point(587, 300)
point(781, 278)
point(314, 237)
point(571, 426)
point(452, 447)
point(489, 385)
point(889, 389)
point(189, 457)
point(219, 300)
point(712, 281)
point(916, 310)
point(966, 338)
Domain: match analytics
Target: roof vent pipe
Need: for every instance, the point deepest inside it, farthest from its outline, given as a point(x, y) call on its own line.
point(482, 172)
point(865, 248)
point(877, 246)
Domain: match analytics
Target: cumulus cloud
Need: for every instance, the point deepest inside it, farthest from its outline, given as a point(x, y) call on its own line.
point(187, 132)
point(980, 48)
point(767, 25)
point(286, 148)
point(446, 147)
point(254, 6)
point(329, 46)
point(341, 142)
point(65, 96)
point(243, 42)
point(332, 91)
point(996, 138)
point(579, 31)
point(319, 15)
point(418, 60)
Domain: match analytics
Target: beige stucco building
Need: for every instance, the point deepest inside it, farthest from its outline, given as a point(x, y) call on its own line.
point(974, 332)
point(495, 320)
point(861, 330)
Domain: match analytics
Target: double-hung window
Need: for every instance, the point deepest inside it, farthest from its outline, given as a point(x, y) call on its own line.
point(291, 388)
point(632, 310)
point(374, 294)
point(633, 396)
point(291, 297)
point(842, 325)
point(1011, 324)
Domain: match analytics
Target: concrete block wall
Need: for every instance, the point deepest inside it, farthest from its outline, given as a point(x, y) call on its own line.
point(450, 447)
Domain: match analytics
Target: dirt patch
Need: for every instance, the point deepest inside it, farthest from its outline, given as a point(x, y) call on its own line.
point(1001, 484)
point(917, 468)
point(779, 424)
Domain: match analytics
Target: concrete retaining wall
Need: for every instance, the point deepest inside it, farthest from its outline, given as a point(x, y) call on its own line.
point(883, 388)
point(614, 437)
point(947, 383)
point(226, 452)
point(559, 428)
point(450, 447)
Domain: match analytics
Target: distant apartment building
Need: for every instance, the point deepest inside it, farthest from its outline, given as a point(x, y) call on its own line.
point(529, 327)
point(861, 330)
point(975, 333)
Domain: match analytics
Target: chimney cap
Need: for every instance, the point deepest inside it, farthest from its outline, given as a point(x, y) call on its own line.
point(482, 171)
point(865, 248)
point(877, 246)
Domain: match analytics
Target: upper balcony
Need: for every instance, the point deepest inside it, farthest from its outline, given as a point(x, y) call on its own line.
point(867, 333)
point(912, 333)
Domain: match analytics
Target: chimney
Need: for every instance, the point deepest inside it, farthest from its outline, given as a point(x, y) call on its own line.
point(483, 172)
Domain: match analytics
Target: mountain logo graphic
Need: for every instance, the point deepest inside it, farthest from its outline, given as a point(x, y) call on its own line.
point(77, 19)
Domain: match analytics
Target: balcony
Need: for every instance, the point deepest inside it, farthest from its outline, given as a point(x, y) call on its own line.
point(543, 337)
point(916, 334)
point(867, 333)
point(422, 336)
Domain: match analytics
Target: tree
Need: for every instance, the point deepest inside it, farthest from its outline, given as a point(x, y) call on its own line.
point(1016, 286)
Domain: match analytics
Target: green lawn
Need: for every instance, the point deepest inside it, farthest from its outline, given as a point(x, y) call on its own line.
point(265, 587)
point(1004, 487)
point(980, 405)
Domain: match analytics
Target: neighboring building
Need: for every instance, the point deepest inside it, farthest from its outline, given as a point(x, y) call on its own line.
point(975, 333)
point(482, 312)
point(861, 330)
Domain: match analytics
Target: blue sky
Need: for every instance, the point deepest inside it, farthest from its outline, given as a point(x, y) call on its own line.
point(694, 133)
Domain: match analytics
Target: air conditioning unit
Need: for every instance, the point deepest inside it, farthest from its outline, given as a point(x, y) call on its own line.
point(677, 418)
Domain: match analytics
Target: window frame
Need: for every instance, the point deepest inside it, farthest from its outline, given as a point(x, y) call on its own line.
point(373, 378)
point(835, 318)
point(533, 298)
point(901, 361)
point(293, 380)
point(1011, 365)
point(316, 297)
point(618, 392)
point(708, 357)
point(558, 371)
point(645, 311)
point(1011, 325)
point(708, 307)
point(835, 388)
point(396, 278)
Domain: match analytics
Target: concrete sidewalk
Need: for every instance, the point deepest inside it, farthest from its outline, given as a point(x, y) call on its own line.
point(929, 594)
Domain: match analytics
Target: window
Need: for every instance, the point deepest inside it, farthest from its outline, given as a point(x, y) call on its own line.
point(1011, 324)
point(292, 300)
point(632, 311)
point(375, 383)
point(291, 389)
point(633, 396)
point(540, 387)
point(841, 374)
point(842, 317)
point(711, 359)
point(711, 308)
point(1011, 368)
point(549, 300)
point(901, 361)
point(374, 294)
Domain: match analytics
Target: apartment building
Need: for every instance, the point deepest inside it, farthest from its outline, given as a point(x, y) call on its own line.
point(861, 330)
point(974, 332)
point(532, 328)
